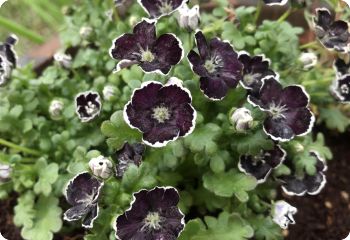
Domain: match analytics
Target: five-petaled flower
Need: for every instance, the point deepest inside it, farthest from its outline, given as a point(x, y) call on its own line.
point(275, 2)
point(301, 183)
point(153, 215)
point(334, 35)
point(287, 110)
point(254, 70)
point(160, 8)
point(161, 112)
point(142, 47)
point(8, 59)
point(261, 165)
point(88, 105)
point(341, 88)
point(82, 193)
point(217, 65)
point(128, 154)
point(282, 214)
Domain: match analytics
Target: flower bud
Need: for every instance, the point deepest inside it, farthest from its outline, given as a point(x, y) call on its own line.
point(5, 172)
point(188, 18)
point(63, 60)
point(108, 92)
point(55, 109)
point(242, 119)
point(101, 167)
point(85, 32)
point(282, 214)
point(308, 59)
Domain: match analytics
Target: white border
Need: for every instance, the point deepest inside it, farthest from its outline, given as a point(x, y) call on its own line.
point(133, 201)
point(335, 88)
point(164, 14)
point(98, 99)
point(283, 2)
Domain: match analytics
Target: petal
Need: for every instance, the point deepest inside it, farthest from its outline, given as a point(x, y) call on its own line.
point(185, 117)
point(153, 7)
point(125, 47)
point(160, 135)
point(341, 67)
point(168, 49)
point(213, 88)
point(127, 229)
point(197, 64)
point(89, 219)
point(145, 33)
point(300, 120)
point(269, 92)
point(174, 222)
point(202, 45)
point(275, 2)
point(83, 188)
point(138, 118)
point(323, 18)
point(163, 198)
point(342, 88)
point(278, 129)
point(77, 212)
point(315, 184)
point(294, 97)
point(259, 169)
point(293, 186)
point(147, 96)
point(174, 95)
point(277, 156)
point(128, 154)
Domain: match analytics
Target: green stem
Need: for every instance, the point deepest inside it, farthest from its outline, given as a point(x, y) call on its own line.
point(258, 11)
point(309, 44)
point(285, 15)
point(20, 30)
point(19, 148)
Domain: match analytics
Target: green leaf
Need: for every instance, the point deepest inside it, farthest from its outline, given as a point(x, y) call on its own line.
point(225, 227)
point(203, 138)
point(230, 183)
point(118, 131)
point(46, 222)
point(265, 228)
point(48, 174)
point(334, 119)
point(24, 212)
point(253, 142)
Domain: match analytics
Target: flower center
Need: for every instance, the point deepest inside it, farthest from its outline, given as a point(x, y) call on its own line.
point(344, 89)
point(161, 114)
point(213, 64)
point(152, 221)
point(249, 79)
point(165, 7)
point(147, 56)
point(91, 108)
point(277, 110)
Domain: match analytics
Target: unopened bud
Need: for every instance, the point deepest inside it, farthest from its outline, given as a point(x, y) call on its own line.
point(55, 109)
point(5, 172)
point(101, 167)
point(282, 214)
point(63, 60)
point(308, 59)
point(242, 119)
point(85, 32)
point(188, 18)
point(108, 92)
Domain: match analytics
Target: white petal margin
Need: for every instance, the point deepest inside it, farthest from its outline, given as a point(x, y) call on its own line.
point(97, 195)
point(2, 237)
point(348, 237)
point(98, 99)
point(283, 2)
point(348, 3)
point(162, 15)
point(133, 201)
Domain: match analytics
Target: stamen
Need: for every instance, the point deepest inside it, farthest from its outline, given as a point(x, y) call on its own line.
point(277, 110)
point(213, 64)
point(165, 7)
point(91, 108)
point(161, 114)
point(152, 222)
point(344, 89)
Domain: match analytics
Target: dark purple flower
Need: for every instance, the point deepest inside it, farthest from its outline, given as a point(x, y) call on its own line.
point(217, 65)
point(88, 105)
point(341, 88)
point(160, 8)
point(128, 154)
point(275, 2)
point(8, 59)
point(287, 110)
point(332, 34)
point(142, 47)
point(254, 70)
point(82, 193)
point(261, 165)
point(153, 215)
point(300, 184)
point(161, 113)
point(341, 67)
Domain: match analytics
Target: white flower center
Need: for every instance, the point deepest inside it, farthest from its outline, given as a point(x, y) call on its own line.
point(161, 114)
point(152, 221)
point(147, 56)
point(277, 110)
point(165, 7)
point(91, 108)
point(213, 63)
point(344, 89)
point(249, 79)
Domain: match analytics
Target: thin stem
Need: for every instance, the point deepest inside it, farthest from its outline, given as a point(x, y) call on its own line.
point(285, 15)
point(19, 148)
point(309, 44)
point(258, 11)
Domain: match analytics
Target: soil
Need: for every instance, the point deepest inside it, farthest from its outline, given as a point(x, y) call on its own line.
point(322, 217)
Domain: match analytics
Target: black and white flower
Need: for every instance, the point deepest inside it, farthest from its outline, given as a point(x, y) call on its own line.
point(128, 154)
point(8, 59)
point(282, 214)
point(88, 105)
point(341, 88)
point(160, 8)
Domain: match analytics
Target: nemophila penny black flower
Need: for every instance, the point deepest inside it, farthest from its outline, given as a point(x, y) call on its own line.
point(255, 68)
point(275, 2)
point(282, 214)
point(261, 165)
point(142, 47)
point(82, 193)
point(160, 8)
point(88, 105)
point(288, 114)
point(8, 59)
point(217, 65)
point(300, 184)
point(128, 154)
point(153, 215)
point(342, 67)
point(341, 88)
point(161, 112)
point(334, 35)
